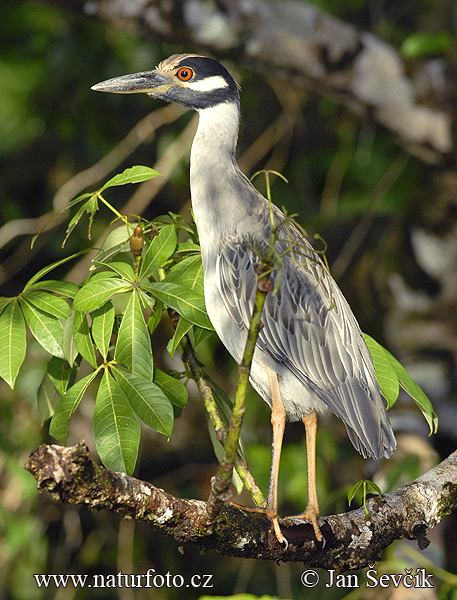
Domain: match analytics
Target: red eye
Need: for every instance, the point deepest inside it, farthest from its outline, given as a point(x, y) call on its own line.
point(185, 73)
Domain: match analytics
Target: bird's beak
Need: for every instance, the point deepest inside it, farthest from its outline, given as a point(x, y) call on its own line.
point(149, 82)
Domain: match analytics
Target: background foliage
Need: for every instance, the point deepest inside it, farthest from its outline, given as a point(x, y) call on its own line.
point(343, 173)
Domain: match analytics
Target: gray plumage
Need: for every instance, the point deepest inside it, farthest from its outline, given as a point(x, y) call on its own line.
point(310, 336)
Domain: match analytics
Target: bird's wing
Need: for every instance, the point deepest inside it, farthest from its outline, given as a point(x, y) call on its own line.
point(309, 328)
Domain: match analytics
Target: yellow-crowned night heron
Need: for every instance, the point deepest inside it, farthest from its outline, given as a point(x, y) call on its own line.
point(310, 356)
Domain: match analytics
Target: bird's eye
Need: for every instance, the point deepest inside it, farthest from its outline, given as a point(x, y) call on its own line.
point(185, 73)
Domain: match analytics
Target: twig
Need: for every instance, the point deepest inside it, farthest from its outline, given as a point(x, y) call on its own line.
point(207, 396)
point(220, 483)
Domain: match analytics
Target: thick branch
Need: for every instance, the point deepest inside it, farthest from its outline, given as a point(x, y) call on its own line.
point(296, 40)
point(71, 476)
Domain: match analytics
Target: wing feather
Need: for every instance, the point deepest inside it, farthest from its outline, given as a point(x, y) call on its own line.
point(308, 328)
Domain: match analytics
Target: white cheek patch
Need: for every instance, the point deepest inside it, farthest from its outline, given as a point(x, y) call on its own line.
point(216, 82)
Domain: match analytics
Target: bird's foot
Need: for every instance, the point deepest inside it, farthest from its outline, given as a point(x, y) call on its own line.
point(310, 514)
point(271, 514)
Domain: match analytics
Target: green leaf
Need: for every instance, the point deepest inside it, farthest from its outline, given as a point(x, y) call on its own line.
point(188, 247)
point(365, 485)
point(58, 427)
point(182, 328)
point(353, 490)
point(59, 372)
point(116, 427)
point(69, 347)
point(156, 315)
point(102, 327)
point(13, 342)
point(147, 400)
point(47, 398)
point(115, 242)
point(121, 268)
point(45, 270)
point(64, 288)
point(48, 303)
point(133, 346)
point(135, 174)
point(47, 330)
point(188, 303)
point(188, 272)
point(4, 301)
point(95, 293)
point(385, 373)
point(91, 207)
point(83, 339)
point(423, 44)
point(174, 389)
point(147, 301)
point(200, 335)
point(393, 375)
point(416, 393)
point(160, 249)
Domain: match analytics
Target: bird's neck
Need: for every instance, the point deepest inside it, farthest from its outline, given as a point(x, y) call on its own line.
point(214, 175)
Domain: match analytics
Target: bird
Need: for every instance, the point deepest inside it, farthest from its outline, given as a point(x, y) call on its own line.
point(310, 356)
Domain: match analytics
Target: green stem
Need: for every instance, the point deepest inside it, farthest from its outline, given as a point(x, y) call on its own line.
point(206, 394)
point(221, 481)
point(112, 209)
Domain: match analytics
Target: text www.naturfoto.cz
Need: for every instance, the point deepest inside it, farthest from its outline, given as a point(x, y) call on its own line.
point(150, 579)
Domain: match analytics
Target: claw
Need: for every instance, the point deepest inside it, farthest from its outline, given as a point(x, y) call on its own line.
point(311, 515)
point(268, 513)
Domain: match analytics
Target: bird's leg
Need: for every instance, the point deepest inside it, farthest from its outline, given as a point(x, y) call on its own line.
point(278, 422)
point(312, 508)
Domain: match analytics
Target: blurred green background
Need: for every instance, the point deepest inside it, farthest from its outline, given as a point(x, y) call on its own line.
point(345, 174)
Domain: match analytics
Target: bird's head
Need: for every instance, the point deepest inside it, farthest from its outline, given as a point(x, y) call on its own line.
point(197, 82)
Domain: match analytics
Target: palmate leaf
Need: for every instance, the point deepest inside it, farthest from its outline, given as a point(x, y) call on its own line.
point(13, 342)
point(69, 402)
point(188, 272)
point(102, 327)
point(115, 242)
point(116, 427)
point(147, 400)
point(67, 289)
point(91, 207)
point(385, 373)
point(123, 269)
point(47, 398)
point(59, 372)
point(83, 338)
point(48, 303)
point(69, 347)
point(135, 174)
point(46, 329)
point(417, 394)
point(190, 304)
point(133, 346)
point(391, 374)
point(45, 270)
point(159, 250)
point(57, 378)
point(182, 328)
point(96, 292)
point(174, 389)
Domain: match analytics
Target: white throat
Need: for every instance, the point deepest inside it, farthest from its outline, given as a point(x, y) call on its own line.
point(214, 174)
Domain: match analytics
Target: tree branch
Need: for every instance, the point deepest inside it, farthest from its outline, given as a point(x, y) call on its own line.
point(296, 40)
point(352, 542)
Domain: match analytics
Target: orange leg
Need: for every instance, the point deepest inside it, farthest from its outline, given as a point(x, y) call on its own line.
point(278, 422)
point(312, 508)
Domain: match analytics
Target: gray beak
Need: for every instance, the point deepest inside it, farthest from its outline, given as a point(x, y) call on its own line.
point(149, 82)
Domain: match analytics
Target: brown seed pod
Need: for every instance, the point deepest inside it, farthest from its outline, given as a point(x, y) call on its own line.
point(137, 241)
